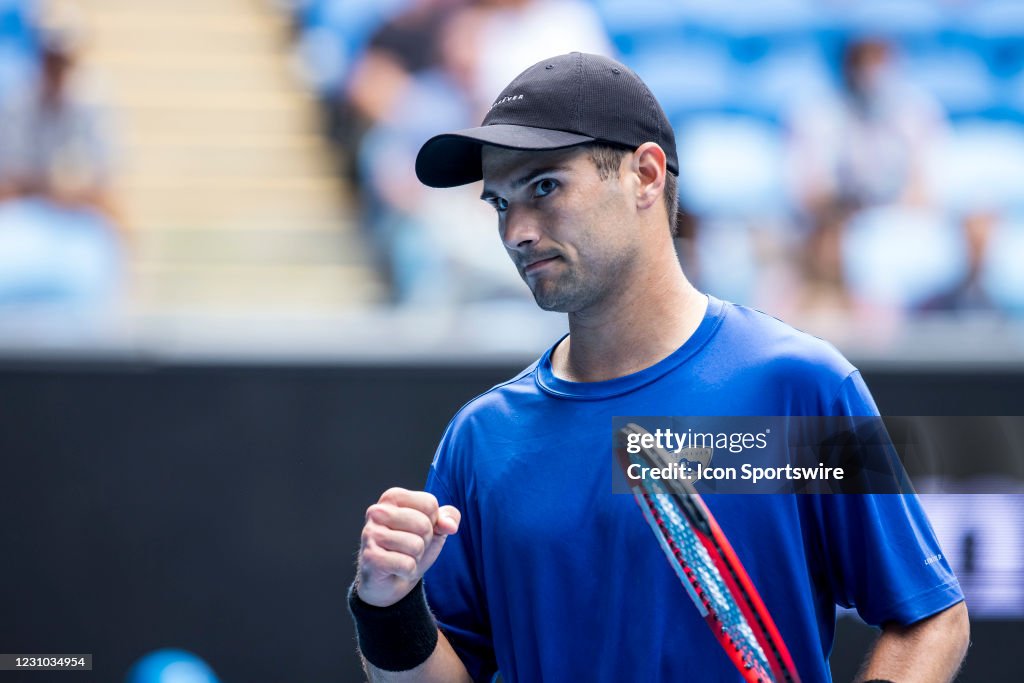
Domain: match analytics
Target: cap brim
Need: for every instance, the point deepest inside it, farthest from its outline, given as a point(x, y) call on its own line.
point(453, 159)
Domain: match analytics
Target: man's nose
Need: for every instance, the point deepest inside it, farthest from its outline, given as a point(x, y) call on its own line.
point(520, 228)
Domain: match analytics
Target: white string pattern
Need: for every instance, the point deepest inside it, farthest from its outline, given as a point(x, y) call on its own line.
point(683, 546)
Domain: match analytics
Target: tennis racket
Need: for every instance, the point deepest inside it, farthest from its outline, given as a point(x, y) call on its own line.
point(710, 571)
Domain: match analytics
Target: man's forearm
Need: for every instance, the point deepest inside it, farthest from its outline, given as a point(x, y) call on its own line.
point(443, 666)
point(928, 651)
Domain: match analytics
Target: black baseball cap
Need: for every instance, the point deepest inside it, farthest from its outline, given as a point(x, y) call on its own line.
point(560, 102)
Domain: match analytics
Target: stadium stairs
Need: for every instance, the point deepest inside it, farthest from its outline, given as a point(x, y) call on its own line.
point(226, 183)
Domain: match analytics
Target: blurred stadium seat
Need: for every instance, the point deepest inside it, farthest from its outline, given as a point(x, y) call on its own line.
point(334, 32)
point(980, 166)
point(959, 78)
point(994, 28)
point(899, 257)
point(755, 30)
point(56, 257)
point(727, 258)
point(705, 84)
point(1004, 275)
point(782, 79)
point(17, 45)
point(630, 23)
point(730, 166)
point(903, 20)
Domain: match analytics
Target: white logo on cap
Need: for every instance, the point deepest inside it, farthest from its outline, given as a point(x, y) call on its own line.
point(503, 100)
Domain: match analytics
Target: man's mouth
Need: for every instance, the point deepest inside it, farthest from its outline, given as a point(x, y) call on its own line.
point(534, 266)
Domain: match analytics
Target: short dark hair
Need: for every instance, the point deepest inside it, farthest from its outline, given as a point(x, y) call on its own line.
point(608, 158)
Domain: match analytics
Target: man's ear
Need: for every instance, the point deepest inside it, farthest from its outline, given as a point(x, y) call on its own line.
point(649, 166)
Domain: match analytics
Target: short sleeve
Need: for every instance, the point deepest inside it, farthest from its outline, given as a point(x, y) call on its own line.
point(853, 398)
point(454, 585)
point(883, 558)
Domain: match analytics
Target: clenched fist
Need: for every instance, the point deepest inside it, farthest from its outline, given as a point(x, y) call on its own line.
point(404, 532)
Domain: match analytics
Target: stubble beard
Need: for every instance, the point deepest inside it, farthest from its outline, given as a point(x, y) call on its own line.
point(569, 293)
point(577, 289)
point(560, 296)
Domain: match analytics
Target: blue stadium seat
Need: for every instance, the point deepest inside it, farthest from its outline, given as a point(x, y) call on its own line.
point(754, 30)
point(17, 71)
point(1003, 277)
point(995, 29)
point(686, 77)
point(335, 33)
point(731, 166)
point(769, 17)
point(727, 259)
point(959, 78)
point(640, 15)
point(899, 257)
point(635, 25)
point(18, 45)
point(901, 19)
point(770, 86)
point(55, 255)
point(1014, 94)
point(980, 167)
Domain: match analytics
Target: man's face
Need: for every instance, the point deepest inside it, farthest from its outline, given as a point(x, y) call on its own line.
point(568, 231)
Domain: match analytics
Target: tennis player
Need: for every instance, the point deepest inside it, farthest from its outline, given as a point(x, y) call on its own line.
point(517, 557)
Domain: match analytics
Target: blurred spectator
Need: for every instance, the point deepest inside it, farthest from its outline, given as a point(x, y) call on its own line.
point(864, 147)
point(57, 217)
point(867, 145)
point(822, 263)
point(55, 143)
point(402, 101)
point(401, 49)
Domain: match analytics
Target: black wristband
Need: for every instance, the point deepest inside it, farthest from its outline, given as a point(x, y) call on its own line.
point(398, 637)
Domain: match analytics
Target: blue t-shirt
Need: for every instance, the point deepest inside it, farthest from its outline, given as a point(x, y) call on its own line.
point(552, 577)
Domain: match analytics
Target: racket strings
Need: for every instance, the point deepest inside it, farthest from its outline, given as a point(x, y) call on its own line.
point(691, 554)
point(757, 615)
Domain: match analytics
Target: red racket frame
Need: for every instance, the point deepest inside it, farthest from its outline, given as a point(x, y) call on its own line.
point(692, 508)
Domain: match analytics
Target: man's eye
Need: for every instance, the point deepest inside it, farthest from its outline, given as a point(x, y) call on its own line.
point(500, 203)
point(545, 187)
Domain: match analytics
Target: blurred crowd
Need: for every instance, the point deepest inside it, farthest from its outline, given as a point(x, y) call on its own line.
point(59, 231)
point(844, 159)
point(850, 159)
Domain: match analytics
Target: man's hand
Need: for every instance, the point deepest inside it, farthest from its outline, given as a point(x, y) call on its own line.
point(404, 533)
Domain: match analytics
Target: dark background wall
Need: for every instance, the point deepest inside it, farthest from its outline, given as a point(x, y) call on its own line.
point(218, 508)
